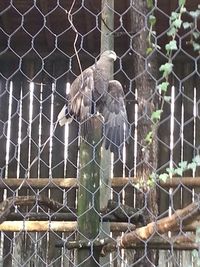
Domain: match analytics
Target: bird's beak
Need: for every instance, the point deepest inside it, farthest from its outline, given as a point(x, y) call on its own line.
point(113, 56)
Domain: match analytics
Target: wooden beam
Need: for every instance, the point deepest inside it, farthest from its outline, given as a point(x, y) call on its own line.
point(158, 242)
point(68, 217)
point(38, 226)
point(14, 183)
point(56, 226)
point(45, 226)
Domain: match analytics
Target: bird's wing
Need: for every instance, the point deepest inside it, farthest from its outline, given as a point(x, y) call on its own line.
point(115, 118)
point(79, 99)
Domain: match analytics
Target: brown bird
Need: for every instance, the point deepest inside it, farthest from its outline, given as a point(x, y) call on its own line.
point(92, 92)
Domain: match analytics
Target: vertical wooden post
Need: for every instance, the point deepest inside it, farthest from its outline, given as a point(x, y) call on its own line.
point(88, 194)
point(107, 43)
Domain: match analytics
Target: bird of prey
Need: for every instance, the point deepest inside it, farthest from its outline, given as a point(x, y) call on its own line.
point(92, 92)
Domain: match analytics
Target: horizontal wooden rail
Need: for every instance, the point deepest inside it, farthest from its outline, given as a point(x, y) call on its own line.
point(49, 183)
point(56, 226)
point(181, 242)
point(58, 216)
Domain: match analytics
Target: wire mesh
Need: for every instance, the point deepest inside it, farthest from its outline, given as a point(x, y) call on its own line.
point(45, 46)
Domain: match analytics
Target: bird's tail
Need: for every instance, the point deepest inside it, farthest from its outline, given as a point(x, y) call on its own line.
point(63, 118)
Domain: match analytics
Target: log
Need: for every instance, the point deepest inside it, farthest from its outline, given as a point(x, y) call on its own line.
point(181, 243)
point(7, 205)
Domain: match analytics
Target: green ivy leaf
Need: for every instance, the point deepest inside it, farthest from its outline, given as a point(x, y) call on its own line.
point(171, 46)
point(196, 35)
point(153, 176)
point(195, 13)
point(187, 25)
point(196, 160)
point(177, 23)
point(170, 171)
point(181, 2)
point(183, 9)
point(150, 183)
point(152, 20)
point(166, 69)
point(192, 166)
point(183, 165)
point(174, 15)
point(196, 46)
point(172, 31)
point(163, 86)
point(149, 137)
point(179, 171)
point(163, 177)
point(167, 98)
point(155, 116)
point(149, 3)
point(149, 50)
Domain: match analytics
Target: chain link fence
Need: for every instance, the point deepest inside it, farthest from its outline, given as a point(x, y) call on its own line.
point(66, 198)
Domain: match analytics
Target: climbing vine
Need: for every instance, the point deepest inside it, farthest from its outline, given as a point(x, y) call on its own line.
point(175, 24)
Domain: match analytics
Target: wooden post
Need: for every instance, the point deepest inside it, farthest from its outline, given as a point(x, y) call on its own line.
point(107, 43)
point(88, 195)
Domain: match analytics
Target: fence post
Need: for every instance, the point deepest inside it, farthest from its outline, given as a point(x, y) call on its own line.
point(107, 43)
point(88, 194)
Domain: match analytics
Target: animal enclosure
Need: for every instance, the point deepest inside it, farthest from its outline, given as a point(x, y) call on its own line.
point(65, 199)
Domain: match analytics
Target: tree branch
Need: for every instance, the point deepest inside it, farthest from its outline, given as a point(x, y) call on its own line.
point(162, 226)
point(7, 205)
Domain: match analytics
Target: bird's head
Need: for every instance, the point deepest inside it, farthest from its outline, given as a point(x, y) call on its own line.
point(109, 54)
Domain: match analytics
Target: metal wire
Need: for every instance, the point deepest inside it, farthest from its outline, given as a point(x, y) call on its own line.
point(41, 43)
